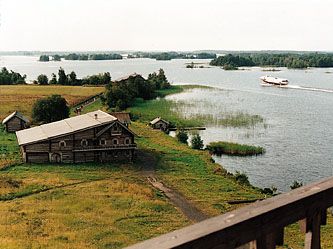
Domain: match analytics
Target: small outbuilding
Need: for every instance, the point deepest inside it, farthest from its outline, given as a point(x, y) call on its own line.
point(15, 122)
point(123, 117)
point(159, 123)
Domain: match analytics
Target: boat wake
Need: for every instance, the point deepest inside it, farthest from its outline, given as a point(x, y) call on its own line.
point(305, 88)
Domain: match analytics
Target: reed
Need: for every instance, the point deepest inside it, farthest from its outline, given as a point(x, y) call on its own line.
point(234, 149)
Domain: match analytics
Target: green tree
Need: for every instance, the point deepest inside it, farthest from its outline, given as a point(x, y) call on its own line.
point(56, 57)
point(72, 80)
point(42, 79)
point(182, 136)
point(53, 80)
point(44, 58)
point(62, 77)
point(197, 142)
point(50, 109)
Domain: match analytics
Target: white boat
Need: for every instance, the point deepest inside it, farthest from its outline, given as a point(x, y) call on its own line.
point(274, 81)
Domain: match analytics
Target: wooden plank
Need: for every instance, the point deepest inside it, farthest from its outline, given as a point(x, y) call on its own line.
point(253, 221)
point(312, 237)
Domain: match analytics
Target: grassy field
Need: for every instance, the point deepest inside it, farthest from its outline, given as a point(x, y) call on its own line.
point(22, 97)
point(81, 206)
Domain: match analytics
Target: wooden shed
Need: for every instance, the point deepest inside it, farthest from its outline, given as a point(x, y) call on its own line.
point(159, 123)
point(15, 122)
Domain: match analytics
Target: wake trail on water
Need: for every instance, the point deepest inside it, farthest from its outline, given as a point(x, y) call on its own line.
point(306, 88)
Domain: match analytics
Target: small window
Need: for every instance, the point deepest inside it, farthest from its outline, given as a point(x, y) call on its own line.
point(62, 144)
point(114, 141)
point(127, 140)
point(115, 128)
point(102, 141)
point(84, 142)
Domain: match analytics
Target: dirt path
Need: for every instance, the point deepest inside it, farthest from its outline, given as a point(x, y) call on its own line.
point(148, 163)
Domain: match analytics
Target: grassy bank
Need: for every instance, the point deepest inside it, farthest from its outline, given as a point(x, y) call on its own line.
point(21, 97)
point(234, 149)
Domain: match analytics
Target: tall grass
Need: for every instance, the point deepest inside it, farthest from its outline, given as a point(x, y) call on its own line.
point(234, 149)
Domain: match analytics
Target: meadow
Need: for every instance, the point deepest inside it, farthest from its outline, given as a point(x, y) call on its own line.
point(22, 97)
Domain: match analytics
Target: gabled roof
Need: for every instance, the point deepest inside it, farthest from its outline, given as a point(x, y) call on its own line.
point(15, 114)
point(157, 120)
point(64, 127)
point(127, 77)
point(123, 117)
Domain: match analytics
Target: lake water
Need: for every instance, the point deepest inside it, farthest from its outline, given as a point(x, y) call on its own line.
point(298, 130)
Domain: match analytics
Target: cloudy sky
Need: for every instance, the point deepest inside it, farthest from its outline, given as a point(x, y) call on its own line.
point(61, 25)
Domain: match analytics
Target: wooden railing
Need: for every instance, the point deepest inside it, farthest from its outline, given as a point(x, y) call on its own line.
point(259, 225)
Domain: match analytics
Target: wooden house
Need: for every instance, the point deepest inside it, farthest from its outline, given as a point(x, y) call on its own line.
point(159, 123)
point(92, 137)
point(123, 117)
point(125, 78)
point(15, 122)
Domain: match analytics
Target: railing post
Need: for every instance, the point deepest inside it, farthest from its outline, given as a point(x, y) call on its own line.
point(311, 227)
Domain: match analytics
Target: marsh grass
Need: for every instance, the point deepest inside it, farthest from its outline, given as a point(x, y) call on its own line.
point(234, 149)
point(177, 112)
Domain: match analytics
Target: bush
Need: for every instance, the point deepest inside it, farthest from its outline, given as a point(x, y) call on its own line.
point(42, 79)
point(296, 184)
point(242, 178)
point(50, 109)
point(197, 142)
point(234, 149)
point(182, 136)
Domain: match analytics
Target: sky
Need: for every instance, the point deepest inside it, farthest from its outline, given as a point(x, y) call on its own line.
point(169, 25)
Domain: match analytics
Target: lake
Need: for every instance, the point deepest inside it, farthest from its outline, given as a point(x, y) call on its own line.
point(297, 132)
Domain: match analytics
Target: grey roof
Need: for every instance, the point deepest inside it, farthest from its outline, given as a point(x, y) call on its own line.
point(127, 77)
point(157, 120)
point(123, 117)
point(15, 114)
point(63, 127)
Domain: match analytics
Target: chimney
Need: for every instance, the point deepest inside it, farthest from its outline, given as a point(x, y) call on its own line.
point(96, 116)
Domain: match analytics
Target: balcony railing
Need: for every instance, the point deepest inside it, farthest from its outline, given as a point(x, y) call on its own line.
point(259, 225)
point(104, 147)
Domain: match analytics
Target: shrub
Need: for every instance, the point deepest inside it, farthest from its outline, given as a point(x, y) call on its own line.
point(242, 178)
point(295, 185)
point(182, 136)
point(197, 142)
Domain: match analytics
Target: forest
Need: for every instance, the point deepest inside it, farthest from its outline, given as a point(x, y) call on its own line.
point(289, 60)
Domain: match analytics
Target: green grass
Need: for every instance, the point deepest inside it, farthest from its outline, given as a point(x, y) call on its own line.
point(81, 206)
point(9, 149)
point(234, 149)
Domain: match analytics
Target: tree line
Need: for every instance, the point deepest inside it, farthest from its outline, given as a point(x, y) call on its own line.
point(80, 57)
point(72, 80)
point(173, 55)
point(122, 94)
point(11, 78)
point(279, 60)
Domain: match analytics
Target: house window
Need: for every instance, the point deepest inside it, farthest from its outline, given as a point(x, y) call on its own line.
point(62, 144)
point(102, 141)
point(115, 141)
point(84, 142)
point(127, 140)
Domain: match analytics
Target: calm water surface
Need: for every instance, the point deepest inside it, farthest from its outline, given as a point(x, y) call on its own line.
point(298, 130)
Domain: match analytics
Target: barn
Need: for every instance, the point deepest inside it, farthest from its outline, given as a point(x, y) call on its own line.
point(123, 117)
point(15, 122)
point(93, 137)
